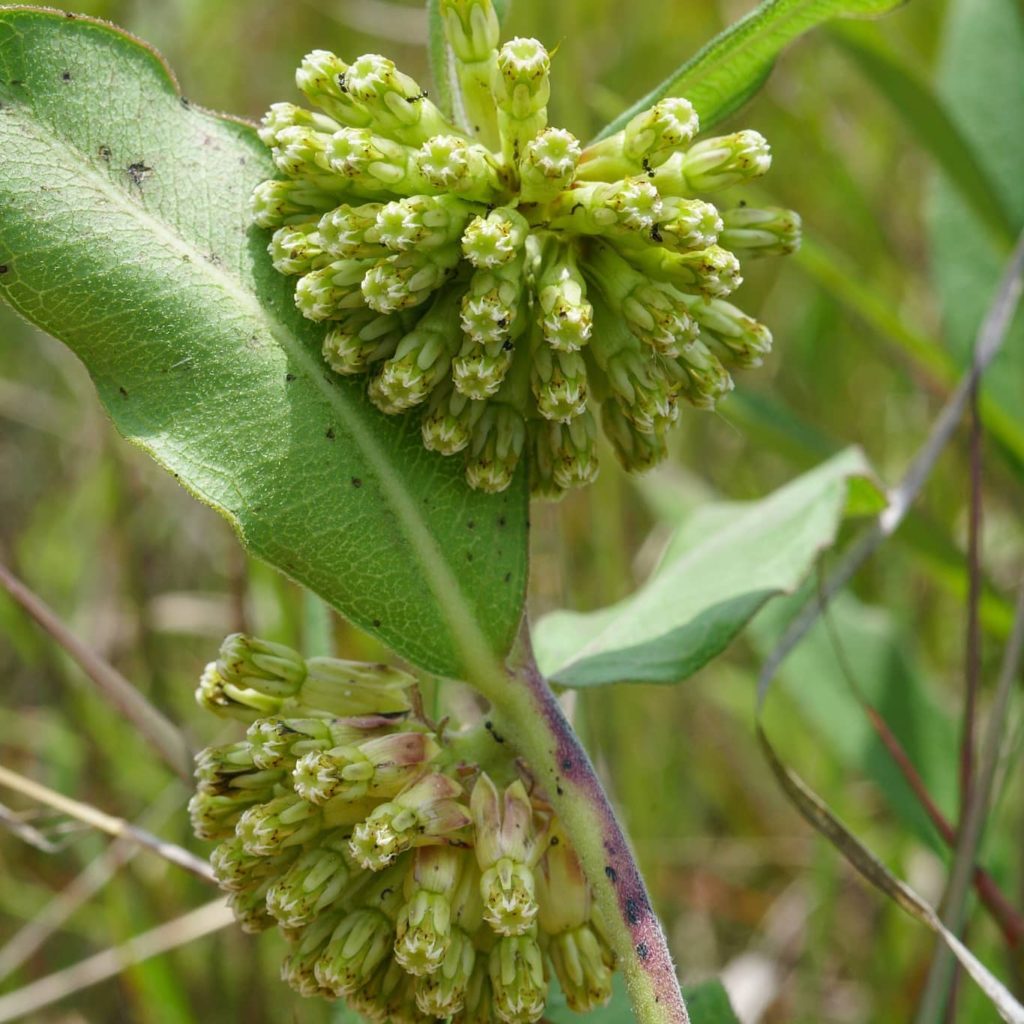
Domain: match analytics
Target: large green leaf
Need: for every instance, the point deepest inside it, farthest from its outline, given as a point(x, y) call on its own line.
point(124, 232)
point(732, 67)
point(983, 87)
point(721, 566)
point(707, 1002)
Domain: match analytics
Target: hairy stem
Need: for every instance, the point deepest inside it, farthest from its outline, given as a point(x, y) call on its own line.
point(527, 715)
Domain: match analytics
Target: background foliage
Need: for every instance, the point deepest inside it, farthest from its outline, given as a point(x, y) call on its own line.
point(871, 323)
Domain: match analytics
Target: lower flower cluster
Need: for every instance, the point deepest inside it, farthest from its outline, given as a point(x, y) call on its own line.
point(408, 880)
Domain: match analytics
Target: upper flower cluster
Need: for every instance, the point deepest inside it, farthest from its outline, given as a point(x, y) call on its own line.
point(405, 880)
point(503, 278)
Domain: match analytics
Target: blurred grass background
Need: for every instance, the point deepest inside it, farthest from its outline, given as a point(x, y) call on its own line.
point(152, 580)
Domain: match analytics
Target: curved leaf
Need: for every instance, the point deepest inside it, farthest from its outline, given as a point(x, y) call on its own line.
point(721, 566)
point(733, 66)
point(124, 232)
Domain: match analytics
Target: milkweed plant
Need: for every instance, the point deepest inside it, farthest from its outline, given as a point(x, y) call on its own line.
point(510, 289)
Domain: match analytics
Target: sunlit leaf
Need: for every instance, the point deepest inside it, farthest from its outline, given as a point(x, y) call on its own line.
point(124, 232)
point(721, 566)
point(733, 66)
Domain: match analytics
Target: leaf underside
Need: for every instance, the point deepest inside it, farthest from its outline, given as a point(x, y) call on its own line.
point(124, 232)
point(720, 568)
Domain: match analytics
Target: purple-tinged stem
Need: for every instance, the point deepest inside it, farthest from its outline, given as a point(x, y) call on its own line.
point(527, 714)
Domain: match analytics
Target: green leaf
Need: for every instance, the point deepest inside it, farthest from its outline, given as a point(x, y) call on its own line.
point(926, 118)
point(734, 65)
point(981, 82)
point(721, 566)
point(124, 232)
point(707, 1003)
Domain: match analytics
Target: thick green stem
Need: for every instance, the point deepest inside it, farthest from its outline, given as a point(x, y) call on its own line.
point(526, 714)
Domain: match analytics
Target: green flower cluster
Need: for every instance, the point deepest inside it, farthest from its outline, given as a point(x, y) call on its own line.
point(406, 881)
point(511, 284)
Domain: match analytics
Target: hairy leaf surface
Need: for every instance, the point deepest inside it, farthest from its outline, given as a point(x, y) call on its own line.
point(124, 231)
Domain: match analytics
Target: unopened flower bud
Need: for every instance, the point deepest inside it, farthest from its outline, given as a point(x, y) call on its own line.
point(565, 454)
point(647, 141)
point(565, 315)
point(371, 164)
point(687, 224)
point(423, 814)
point(559, 383)
point(583, 966)
point(596, 208)
point(313, 882)
point(330, 292)
point(362, 338)
point(408, 278)
point(378, 767)
point(346, 688)
point(421, 222)
point(713, 271)
point(272, 669)
point(447, 425)
point(547, 165)
point(636, 451)
point(449, 163)
point(222, 697)
point(491, 304)
point(249, 906)
point(215, 815)
point(521, 87)
point(278, 824)
point(299, 967)
point(495, 239)
point(273, 203)
point(297, 249)
point(495, 448)
point(471, 27)
point(520, 988)
point(321, 77)
point(737, 339)
point(342, 231)
point(424, 927)
point(442, 993)
point(771, 231)
point(422, 358)
point(716, 163)
point(506, 850)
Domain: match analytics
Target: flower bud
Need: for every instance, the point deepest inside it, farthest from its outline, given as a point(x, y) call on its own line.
point(714, 164)
point(409, 278)
point(221, 697)
point(280, 823)
point(687, 224)
point(520, 988)
point(379, 767)
point(330, 292)
point(215, 815)
point(297, 249)
point(424, 925)
point(249, 906)
point(565, 315)
point(321, 78)
point(737, 339)
point(371, 164)
point(274, 202)
point(491, 304)
point(636, 451)
point(425, 813)
point(237, 870)
point(363, 338)
point(761, 232)
point(559, 383)
point(494, 240)
point(299, 967)
point(442, 993)
point(647, 141)
point(342, 231)
point(471, 27)
point(421, 222)
point(495, 448)
point(278, 742)
point(583, 966)
point(448, 163)
point(447, 426)
point(269, 668)
point(547, 165)
point(422, 358)
point(714, 271)
point(397, 104)
point(311, 883)
point(596, 208)
point(564, 455)
point(301, 152)
point(521, 87)
point(506, 849)
point(348, 688)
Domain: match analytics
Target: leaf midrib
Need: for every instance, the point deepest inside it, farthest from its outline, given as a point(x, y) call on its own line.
point(440, 578)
